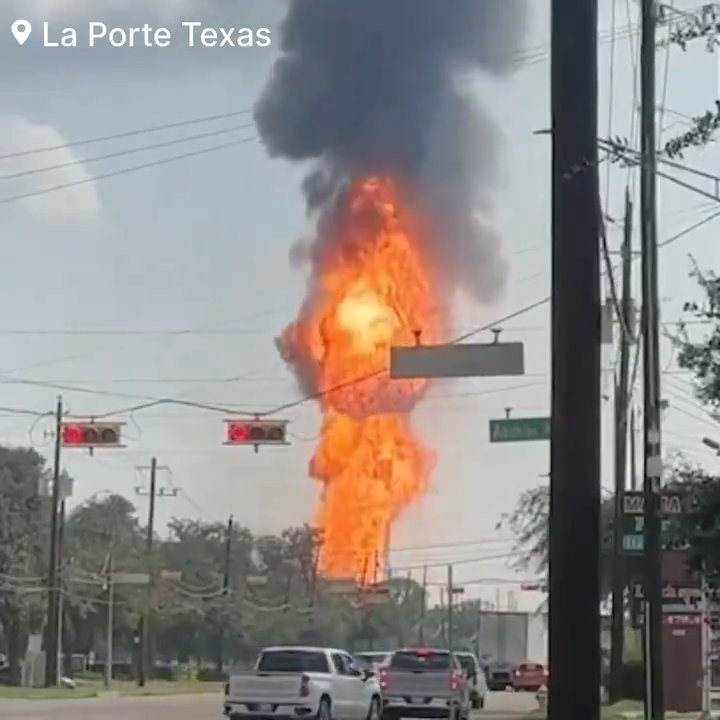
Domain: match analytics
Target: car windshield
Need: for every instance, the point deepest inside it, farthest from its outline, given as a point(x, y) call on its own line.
point(421, 660)
point(530, 667)
point(293, 661)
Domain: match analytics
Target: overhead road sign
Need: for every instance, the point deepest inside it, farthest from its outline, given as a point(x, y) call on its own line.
point(457, 360)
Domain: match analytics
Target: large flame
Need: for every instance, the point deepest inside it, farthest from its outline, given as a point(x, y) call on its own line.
point(373, 290)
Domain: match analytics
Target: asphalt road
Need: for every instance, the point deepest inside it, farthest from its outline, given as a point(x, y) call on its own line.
point(500, 706)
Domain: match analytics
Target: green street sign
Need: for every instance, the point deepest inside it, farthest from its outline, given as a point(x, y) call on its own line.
point(520, 429)
point(633, 521)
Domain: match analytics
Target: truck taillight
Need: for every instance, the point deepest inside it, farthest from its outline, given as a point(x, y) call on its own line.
point(455, 680)
point(304, 686)
point(382, 679)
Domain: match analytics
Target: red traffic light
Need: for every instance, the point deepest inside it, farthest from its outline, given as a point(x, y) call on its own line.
point(90, 435)
point(256, 432)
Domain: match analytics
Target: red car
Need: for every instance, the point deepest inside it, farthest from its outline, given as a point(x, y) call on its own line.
point(530, 677)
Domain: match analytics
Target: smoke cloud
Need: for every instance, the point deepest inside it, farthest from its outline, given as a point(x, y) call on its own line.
point(371, 86)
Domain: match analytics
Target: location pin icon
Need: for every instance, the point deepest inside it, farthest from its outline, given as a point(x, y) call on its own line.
point(21, 30)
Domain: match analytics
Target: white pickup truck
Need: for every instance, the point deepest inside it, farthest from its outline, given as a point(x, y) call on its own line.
point(303, 682)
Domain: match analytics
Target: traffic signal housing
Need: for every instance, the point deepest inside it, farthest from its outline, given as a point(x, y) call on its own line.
point(91, 435)
point(256, 432)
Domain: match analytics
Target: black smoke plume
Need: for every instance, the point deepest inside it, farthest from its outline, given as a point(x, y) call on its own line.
point(375, 86)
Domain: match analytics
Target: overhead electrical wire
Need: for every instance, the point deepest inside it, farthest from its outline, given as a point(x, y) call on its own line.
point(125, 134)
point(122, 153)
point(125, 171)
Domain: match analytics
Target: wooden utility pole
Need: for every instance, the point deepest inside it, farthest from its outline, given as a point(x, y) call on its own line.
point(220, 659)
point(51, 626)
point(622, 401)
point(652, 476)
point(142, 631)
point(574, 552)
point(450, 603)
point(443, 623)
point(423, 608)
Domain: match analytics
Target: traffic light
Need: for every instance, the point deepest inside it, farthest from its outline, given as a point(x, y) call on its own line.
point(91, 435)
point(256, 432)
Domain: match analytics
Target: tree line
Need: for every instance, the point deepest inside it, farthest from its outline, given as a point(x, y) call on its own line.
point(217, 591)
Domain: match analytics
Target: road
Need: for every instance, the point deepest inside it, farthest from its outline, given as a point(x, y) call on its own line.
point(500, 706)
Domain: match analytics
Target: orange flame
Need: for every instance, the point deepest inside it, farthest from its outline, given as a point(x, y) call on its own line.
point(373, 290)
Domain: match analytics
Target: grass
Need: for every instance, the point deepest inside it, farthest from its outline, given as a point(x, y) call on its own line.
point(621, 711)
point(95, 688)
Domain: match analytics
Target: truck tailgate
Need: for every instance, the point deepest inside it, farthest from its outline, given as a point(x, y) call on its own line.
point(418, 683)
point(262, 687)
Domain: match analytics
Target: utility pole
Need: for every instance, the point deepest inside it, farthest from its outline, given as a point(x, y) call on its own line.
point(651, 368)
point(423, 608)
point(622, 399)
point(450, 603)
point(51, 628)
point(443, 623)
point(220, 660)
point(153, 493)
point(574, 622)
point(110, 622)
point(706, 650)
point(633, 452)
point(142, 627)
point(61, 588)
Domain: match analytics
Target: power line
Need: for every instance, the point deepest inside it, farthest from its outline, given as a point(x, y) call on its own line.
point(458, 543)
point(123, 153)
point(125, 171)
point(126, 134)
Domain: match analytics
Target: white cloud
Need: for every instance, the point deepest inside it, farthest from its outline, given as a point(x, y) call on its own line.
point(78, 200)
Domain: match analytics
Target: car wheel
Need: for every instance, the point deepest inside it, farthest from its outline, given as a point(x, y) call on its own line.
point(374, 710)
point(323, 712)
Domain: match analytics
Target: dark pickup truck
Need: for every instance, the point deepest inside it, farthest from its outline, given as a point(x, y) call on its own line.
point(500, 675)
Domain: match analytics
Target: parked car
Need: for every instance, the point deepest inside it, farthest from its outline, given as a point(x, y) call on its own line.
point(500, 675)
point(476, 679)
point(530, 677)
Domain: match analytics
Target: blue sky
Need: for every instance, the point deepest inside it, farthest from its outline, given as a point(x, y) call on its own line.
point(202, 244)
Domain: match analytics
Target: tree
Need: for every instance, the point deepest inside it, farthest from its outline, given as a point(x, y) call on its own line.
point(94, 531)
point(529, 521)
point(22, 471)
point(702, 356)
point(697, 529)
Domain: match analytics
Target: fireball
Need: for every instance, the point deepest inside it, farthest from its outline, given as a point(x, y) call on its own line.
point(373, 289)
